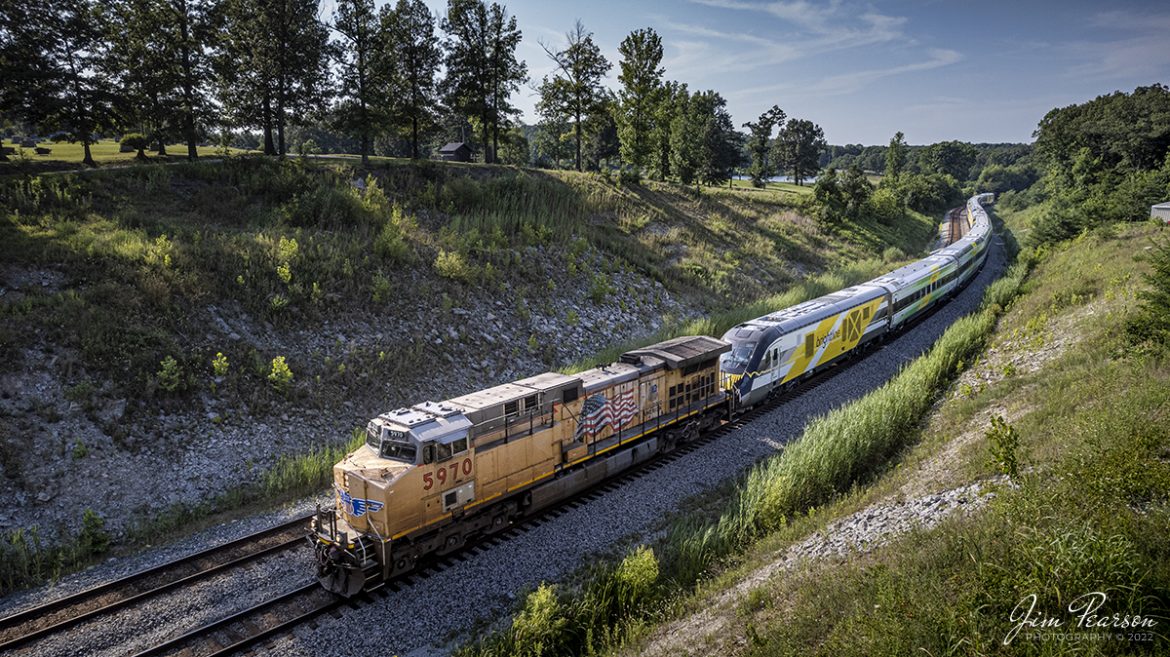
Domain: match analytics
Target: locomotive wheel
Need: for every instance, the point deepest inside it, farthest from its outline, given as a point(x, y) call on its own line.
point(498, 522)
point(452, 543)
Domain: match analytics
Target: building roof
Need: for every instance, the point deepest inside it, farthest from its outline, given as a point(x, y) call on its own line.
point(454, 146)
point(1162, 206)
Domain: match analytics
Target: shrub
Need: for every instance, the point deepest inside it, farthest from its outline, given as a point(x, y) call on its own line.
point(390, 242)
point(452, 265)
point(1151, 324)
point(599, 287)
point(136, 141)
point(170, 376)
point(286, 249)
point(219, 364)
point(1004, 441)
point(281, 376)
point(885, 206)
point(536, 628)
point(93, 539)
point(277, 303)
point(893, 254)
point(636, 576)
point(309, 147)
point(381, 288)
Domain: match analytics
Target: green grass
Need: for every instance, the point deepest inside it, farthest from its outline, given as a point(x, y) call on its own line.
point(846, 448)
point(105, 151)
point(791, 188)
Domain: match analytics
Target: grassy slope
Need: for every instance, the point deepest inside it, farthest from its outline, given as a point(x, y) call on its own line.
point(135, 248)
point(1090, 514)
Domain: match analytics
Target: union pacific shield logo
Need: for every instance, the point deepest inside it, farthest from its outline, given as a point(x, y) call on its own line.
point(357, 506)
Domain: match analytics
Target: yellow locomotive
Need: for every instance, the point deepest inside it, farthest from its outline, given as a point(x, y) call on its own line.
point(435, 475)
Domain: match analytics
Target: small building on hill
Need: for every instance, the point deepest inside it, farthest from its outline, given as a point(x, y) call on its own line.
point(456, 151)
point(1161, 212)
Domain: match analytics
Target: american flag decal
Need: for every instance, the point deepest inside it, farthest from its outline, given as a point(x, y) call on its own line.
point(598, 412)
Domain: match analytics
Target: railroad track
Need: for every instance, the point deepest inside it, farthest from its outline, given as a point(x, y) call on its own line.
point(53, 617)
point(234, 633)
point(957, 225)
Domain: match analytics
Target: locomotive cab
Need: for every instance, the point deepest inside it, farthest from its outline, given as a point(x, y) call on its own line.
point(414, 461)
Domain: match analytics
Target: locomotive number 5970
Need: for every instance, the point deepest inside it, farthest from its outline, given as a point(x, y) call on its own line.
point(442, 476)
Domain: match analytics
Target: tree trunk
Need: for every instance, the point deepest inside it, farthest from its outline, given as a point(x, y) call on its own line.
point(80, 114)
point(577, 134)
point(414, 136)
point(280, 133)
point(280, 147)
point(161, 151)
point(188, 84)
point(496, 138)
point(269, 147)
point(487, 147)
point(189, 128)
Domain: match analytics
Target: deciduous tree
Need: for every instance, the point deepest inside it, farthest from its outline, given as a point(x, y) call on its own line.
point(759, 142)
point(896, 156)
point(409, 33)
point(798, 148)
point(641, 85)
point(272, 65)
point(482, 68)
point(953, 158)
point(364, 73)
point(574, 89)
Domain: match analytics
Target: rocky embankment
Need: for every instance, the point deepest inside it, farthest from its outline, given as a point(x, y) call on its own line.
point(68, 450)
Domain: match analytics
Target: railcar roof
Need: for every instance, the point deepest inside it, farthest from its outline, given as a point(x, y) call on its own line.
point(678, 352)
point(548, 381)
point(500, 394)
point(912, 272)
point(608, 375)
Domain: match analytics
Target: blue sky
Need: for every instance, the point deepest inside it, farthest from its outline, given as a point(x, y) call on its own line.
point(936, 70)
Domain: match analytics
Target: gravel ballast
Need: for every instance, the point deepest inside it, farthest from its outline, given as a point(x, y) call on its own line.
point(436, 612)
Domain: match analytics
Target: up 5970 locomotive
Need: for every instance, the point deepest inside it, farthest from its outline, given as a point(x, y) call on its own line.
point(435, 475)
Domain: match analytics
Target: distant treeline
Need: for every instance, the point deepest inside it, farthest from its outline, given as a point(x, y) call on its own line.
point(280, 77)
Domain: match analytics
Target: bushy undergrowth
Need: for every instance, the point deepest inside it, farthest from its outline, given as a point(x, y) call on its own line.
point(26, 558)
point(848, 446)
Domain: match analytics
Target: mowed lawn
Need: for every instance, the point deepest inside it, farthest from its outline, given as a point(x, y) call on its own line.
point(104, 151)
point(791, 188)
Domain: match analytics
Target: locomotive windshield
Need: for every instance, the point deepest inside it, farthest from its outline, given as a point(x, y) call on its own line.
point(737, 359)
point(399, 450)
point(391, 444)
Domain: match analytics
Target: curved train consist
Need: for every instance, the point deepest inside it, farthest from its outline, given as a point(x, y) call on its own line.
point(436, 475)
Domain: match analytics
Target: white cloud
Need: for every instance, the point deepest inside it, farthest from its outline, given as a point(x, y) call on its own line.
point(1142, 49)
point(790, 31)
